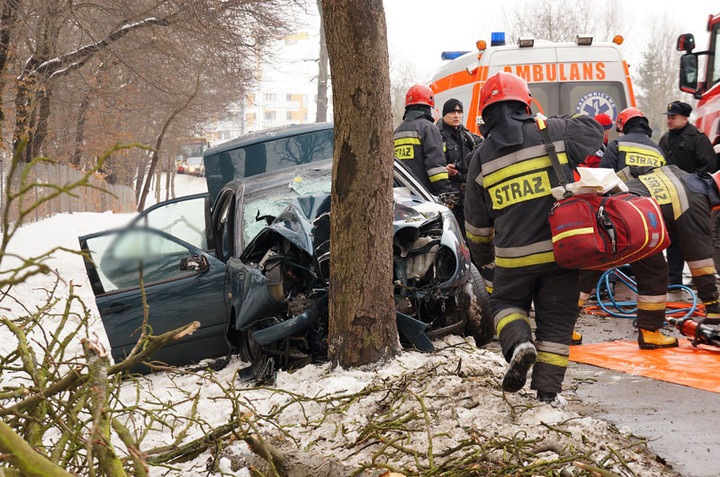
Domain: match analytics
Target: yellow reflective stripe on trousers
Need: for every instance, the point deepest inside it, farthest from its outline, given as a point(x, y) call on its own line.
point(651, 302)
point(701, 267)
point(552, 358)
point(504, 321)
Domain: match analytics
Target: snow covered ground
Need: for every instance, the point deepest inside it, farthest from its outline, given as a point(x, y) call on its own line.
point(443, 411)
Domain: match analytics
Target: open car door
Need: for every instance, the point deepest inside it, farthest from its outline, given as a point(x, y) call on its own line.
point(183, 282)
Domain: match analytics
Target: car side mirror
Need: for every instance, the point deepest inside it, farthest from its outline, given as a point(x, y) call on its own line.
point(689, 73)
point(196, 263)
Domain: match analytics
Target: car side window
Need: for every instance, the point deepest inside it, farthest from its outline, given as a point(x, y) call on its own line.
point(119, 256)
point(183, 219)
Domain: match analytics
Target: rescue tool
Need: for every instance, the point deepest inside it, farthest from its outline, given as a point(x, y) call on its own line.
point(696, 331)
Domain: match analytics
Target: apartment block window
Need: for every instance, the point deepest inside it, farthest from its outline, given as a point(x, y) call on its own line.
point(269, 115)
point(269, 96)
point(288, 116)
point(288, 97)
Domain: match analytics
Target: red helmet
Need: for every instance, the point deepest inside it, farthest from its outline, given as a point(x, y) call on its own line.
point(504, 87)
point(625, 116)
point(420, 94)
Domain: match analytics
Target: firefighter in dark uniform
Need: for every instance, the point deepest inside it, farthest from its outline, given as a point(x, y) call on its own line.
point(685, 207)
point(688, 148)
point(418, 143)
point(507, 201)
point(634, 153)
point(458, 144)
point(686, 215)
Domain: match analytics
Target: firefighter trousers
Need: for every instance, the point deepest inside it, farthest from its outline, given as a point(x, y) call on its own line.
point(554, 296)
point(651, 274)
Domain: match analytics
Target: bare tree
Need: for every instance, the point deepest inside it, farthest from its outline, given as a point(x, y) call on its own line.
point(403, 74)
point(362, 315)
point(323, 76)
point(656, 77)
point(564, 20)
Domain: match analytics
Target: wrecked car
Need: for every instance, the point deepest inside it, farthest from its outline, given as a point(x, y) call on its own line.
point(253, 269)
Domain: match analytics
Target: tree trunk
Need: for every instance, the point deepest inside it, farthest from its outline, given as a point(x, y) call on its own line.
point(322, 100)
point(362, 326)
point(76, 160)
point(9, 9)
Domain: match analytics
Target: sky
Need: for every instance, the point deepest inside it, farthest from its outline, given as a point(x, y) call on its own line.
point(458, 384)
point(419, 31)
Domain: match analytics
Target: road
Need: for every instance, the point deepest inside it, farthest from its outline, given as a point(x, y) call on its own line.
point(680, 422)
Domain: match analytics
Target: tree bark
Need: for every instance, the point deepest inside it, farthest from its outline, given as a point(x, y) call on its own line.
point(362, 326)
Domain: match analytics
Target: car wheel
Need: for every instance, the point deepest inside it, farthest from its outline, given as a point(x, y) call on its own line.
point(248, 349)
point(480, 322)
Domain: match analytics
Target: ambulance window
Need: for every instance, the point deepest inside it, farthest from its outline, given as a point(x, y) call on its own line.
point(592, 98)
point(546, 94)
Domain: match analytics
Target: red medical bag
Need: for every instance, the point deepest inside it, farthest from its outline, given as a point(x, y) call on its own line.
point(595, 232)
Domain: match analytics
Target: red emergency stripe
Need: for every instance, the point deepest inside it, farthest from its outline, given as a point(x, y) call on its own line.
point(629, 84)
point(456, 79)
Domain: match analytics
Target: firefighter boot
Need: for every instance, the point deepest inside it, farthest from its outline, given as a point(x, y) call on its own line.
point(523, 357)
point(654, 339)
point(576, 338)
point(712, 313)
point(554, 399)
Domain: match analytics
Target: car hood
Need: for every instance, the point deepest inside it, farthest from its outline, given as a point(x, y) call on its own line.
point(305, 221)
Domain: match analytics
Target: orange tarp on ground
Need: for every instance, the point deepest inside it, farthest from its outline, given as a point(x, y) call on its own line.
point(694, 367)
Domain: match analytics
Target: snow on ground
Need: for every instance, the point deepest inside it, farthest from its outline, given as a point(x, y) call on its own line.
point(396, 412)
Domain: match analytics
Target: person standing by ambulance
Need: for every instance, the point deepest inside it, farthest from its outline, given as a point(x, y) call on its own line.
point(418, 144)
point(458, 144)
point(507, 201)
point(688, 148)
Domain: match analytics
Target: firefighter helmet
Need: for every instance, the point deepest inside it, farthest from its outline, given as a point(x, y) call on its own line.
point(504, 87)
point(420, 94)
point(626, 115)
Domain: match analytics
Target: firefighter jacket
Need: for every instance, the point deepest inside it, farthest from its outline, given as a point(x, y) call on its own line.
point(418, 145)
point(632, 154)
point(689, 149)
point(458, 144)
point(508, 193)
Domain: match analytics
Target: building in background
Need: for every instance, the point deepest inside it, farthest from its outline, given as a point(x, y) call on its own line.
point(284, 92)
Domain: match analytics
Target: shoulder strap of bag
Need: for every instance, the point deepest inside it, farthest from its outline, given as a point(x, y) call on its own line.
point(550, 148)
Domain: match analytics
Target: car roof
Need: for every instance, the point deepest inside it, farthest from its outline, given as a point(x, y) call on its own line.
point(267, 135)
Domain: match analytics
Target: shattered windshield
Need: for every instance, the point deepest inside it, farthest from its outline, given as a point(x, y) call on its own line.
point(273, 201)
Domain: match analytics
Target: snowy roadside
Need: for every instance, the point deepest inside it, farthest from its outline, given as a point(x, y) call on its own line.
point(442, 411)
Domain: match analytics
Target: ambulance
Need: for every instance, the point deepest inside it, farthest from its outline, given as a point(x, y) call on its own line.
point(564, 78)
point(704, 85)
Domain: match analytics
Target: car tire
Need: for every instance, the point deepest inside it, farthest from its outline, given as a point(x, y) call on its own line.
point(480, 322)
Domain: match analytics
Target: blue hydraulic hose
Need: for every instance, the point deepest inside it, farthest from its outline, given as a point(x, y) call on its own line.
point(628, 309)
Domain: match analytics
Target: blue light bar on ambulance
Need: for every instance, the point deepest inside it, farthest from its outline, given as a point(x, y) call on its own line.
point(451, 55)
point(497, 38)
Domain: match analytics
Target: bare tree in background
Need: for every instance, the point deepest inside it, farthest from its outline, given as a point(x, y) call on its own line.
point(362, 326)
point(87, 80)
point(403, 74)
point(564, 20)
point(656, 77)
point(323, 74)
